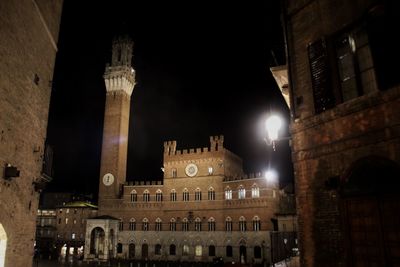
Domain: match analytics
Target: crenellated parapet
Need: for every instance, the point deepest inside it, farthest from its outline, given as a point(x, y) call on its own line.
point(170, 148)
point(216, 143)
point(119, 79)
point(119, 76)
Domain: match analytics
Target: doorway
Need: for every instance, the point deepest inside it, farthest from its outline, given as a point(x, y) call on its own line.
point(371, 205)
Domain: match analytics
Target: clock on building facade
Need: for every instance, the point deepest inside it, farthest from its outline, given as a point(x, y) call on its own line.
point(191, 169)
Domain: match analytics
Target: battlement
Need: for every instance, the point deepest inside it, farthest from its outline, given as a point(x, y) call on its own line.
point(216, 144)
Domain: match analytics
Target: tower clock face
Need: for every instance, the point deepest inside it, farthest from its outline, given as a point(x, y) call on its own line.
point(191, 170)
point(108, 179)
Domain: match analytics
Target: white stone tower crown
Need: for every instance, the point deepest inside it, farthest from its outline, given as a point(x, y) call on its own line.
point(120, 76)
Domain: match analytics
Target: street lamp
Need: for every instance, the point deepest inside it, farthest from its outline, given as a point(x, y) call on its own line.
point(273, 124)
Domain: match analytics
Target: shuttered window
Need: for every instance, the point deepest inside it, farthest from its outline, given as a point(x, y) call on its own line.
point(322, 89)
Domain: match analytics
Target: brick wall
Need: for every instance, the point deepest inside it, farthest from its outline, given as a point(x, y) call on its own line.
point(29, 32)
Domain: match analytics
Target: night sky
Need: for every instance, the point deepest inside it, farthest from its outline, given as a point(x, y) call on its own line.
point(202, 68)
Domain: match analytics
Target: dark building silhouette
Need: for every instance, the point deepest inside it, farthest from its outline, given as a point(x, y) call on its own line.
point(345, 99)
point(28, 47)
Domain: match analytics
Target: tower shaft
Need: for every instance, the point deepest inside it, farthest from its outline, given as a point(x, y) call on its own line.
point(119, 80)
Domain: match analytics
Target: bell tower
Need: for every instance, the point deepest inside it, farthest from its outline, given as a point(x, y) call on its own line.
point(119, 79)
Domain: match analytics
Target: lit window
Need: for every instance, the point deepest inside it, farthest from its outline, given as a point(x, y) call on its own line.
point(197, 194)
point(199, 251)
point(145, 224)
point(67, 211)
point(185, 250)
point(211, 194)
point(228, 193)
point(256, 223)
point(185, 195)
point(241, 193)
point(255, 191)
point(74, 221)
point(66, 220)
point(197, 224)
point(228, 224)
point(146, 196)
point(185, 225)
point(242, 224)
point(133, 196)
point(158, 224)
point(173, 195)
point(210, 170)
point(172, 225)
point(158, 195)
point(132, 225)
point(211, 224)
point(73, 236)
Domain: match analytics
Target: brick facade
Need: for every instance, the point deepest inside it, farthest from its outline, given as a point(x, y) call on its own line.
point(29, 33)
point(335, 127)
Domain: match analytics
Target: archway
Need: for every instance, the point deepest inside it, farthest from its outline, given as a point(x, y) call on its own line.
point(371, 205)
point(131, 250)
point(3, 245)
point(97, 241)
point(145, 251)
point(243, 254)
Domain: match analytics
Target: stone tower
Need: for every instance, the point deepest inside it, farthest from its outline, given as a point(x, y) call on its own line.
point(119, 78)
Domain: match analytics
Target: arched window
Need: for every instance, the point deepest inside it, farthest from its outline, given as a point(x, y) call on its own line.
point(185, 225)
point(131, 250)
point(159, 195)
point(172, 224)
point(158, 224)
point(198, 251)
point(211, 193)
point(174, 173)
point(242, 224)
point(197, 194)
point(211, 250)
point(256, 223)
point(210, 170)
point(132, 224)
point(172, 195)
point(211, 224)
point(121, 224)
point(185, 250)
point(229, 251)
point(133, 196)
point(172, 249)
point(255, 191)
point(157, 249)
point(228, 193)
point(145, 224)
point(228, 224)
point(197, 224)
point(257, 252)
point(119, 248)
point(185, 195)
point(146, 196)
point(241, 192)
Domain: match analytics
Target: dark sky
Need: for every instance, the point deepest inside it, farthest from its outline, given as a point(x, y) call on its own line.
point(202, 68)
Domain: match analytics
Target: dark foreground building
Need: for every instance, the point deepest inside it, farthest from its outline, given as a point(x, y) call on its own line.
point(28, 47)
point(345, 99)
